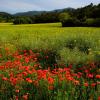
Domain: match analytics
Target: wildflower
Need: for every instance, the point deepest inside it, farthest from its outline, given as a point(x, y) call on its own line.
point(51, 87)
point(98, 82)
point(76, 82)
point(99, 98)
point(25, 73)
point(2, 67)
point(27, 68)
point(30, 72)
point(46, 57)
point(0, 56)
point(50, 80)
point(90, 75)
point(35, 59)
point(98, 76)
point(60, 77)
point(4, 78)
point(55, 64)
point(27, 59)
point(29, 80)
point(86, 71)
point(13, 80)
point(17, 91)
point(36, 65)
point(16, 98)
point(70, 78)
point(93, 84)
point(79, 73)
point(36, 83)
point(25, 97)
point(86, 84)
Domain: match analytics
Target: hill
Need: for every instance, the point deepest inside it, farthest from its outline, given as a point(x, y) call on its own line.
point(5, 17)
point(32, 13)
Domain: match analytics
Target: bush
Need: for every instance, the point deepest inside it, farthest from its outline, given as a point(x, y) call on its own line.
point(92, 22)
point(89, 22)
point(71, 22)
point(68, 23)
point(74, 22)
point(96, 22)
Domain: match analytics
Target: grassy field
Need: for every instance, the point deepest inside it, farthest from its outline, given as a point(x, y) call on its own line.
point(72, 44)
point(48, 62)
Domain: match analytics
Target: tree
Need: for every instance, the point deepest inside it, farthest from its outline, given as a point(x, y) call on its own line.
point(63, 17)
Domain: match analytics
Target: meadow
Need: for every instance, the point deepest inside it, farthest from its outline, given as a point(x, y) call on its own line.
point(74, 42)
point(49, 62)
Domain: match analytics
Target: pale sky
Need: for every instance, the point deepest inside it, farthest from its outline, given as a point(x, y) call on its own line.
point(13, 6)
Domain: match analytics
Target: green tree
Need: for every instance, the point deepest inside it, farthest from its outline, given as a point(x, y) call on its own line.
point(64, 16)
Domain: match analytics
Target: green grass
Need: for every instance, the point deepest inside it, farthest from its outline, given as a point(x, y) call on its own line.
point(53, 37)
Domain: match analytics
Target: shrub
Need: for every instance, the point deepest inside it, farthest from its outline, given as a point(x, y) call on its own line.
point(71, 22)
point(96, 22)
point(89, 22)
point(68, 23)
point(92, 22)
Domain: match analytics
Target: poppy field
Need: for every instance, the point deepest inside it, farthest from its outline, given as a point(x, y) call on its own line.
point(47, 62)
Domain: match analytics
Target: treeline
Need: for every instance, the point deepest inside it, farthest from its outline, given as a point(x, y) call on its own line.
point(46, 17)
point(86, 16)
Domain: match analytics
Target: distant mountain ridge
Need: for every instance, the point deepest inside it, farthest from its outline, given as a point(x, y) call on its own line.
point(32, 13)
point(29, 13)
point(5, 17)
point(4, 14)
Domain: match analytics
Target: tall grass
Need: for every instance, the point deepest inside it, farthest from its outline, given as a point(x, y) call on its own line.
point(52, 37)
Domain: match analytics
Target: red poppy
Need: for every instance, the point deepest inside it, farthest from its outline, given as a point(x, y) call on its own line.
point(98, 76)
point(29, 80)
point(90, 75)
point(99, 98)
point(86, 84)
point(50, 80)
point(93, 84)
point(17, 91)
point(51, 87)
point(25, 97)
point(4, 78)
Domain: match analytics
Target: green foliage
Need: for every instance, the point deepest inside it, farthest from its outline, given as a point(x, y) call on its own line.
point(92, 22)
point(74, 56)
point(5, 17)
point(86, 16)
point(22, 20)
point(96, 22)
point(64, 16)
point(79, 43)
point(89, 21)
point(71, 22)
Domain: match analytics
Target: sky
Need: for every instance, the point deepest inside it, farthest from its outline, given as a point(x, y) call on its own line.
point(14, 6)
